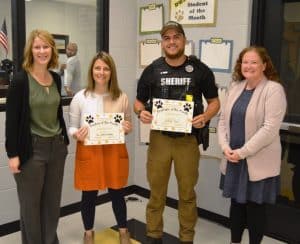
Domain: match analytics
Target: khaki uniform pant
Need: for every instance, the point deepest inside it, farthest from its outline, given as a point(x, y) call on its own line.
point(184, 152)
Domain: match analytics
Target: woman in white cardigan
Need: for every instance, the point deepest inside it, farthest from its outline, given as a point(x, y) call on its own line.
point(248, 133)
point(101, 167)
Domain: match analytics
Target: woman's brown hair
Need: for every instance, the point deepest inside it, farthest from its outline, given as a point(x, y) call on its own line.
point(113, 87)
point(270, 72)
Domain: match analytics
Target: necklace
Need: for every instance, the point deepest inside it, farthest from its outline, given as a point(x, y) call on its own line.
point(44, 81)
point(47, 88)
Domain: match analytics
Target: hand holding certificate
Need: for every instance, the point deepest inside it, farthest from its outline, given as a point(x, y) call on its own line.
point(105, 129)
point(172, 115)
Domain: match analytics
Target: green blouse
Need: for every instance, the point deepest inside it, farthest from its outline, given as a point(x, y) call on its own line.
point(43, 102)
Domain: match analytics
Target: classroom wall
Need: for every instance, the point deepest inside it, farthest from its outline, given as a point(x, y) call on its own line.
point(122, 47)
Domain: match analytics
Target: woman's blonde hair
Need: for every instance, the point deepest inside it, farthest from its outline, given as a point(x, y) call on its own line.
point(113, 87)
point(28, 56)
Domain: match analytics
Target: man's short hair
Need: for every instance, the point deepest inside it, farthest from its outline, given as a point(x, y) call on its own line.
point(73, 46)
point(172, 25)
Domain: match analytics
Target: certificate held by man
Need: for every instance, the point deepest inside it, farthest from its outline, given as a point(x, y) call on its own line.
point(104, 129)
point(172, 115)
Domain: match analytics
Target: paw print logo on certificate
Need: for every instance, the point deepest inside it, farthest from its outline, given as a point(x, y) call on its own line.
point(118, 118)
point(187, 107)
point(89, 119)
point(158, 104)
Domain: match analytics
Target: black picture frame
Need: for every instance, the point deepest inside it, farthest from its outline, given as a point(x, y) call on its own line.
point(61, 42)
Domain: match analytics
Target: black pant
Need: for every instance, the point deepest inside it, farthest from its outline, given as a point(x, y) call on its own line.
point(296, 184)
point(88, 206)
point(294, 158)
point(251, 215)
point(39, 186)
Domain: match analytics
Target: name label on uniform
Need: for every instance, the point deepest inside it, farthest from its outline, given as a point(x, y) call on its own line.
point(175, 81)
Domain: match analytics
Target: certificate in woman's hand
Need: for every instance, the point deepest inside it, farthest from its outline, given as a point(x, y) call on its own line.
point(105, 129)
point(172, 115)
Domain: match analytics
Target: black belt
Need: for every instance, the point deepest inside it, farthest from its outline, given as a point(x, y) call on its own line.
point(47, 139)
point(174, 134)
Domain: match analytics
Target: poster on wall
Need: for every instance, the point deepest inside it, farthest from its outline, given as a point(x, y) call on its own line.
point(189, 48)
point(151, 18)
point(150, 49)
point(193, 12)
point(61, 42)
point(216, 53)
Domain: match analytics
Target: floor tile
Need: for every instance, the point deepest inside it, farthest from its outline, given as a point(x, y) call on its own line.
point(70, 229)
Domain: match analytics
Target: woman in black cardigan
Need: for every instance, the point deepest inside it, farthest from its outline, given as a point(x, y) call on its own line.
point(36, 139)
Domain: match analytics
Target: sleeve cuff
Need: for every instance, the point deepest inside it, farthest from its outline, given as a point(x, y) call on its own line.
point(72, 131)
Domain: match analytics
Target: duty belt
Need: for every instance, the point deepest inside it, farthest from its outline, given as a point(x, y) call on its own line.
point(175, 134)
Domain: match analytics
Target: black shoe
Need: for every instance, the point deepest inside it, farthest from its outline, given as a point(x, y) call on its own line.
point(151, 240)
point(186, 242)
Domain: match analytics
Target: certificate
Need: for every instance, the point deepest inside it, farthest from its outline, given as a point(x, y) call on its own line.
point(172, 115)
point(104, 129)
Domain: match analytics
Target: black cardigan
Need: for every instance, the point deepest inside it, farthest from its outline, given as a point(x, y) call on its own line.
point(18, 140)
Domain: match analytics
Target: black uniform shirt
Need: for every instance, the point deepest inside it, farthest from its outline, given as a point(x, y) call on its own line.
point(160, 80)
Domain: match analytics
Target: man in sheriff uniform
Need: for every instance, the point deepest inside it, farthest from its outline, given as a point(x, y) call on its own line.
point(177, 77)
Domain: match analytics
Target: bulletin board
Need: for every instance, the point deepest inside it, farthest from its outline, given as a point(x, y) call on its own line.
point(144, 132)
point(216, 53)
point(189, 48)
point(151, 18)
point(150, 50)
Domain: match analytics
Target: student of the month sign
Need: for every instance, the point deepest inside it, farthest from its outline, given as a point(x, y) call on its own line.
point(193, 12)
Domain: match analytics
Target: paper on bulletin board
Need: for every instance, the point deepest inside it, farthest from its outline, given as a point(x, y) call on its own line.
point(149, 51)
point(151, 18)
point(223, 92)
point(217, 54)
point(214, 150)
point(193, 12)
point(189, 48)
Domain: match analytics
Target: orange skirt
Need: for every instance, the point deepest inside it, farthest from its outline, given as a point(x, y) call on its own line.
point(99, 167)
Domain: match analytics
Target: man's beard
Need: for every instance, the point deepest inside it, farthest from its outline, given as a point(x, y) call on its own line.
point(176, 55)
